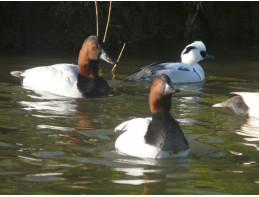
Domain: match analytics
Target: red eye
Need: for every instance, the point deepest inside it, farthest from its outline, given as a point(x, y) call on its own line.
point(94, 45)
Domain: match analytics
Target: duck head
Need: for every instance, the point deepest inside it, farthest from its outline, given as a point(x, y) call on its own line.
point(91, 51)
point(195, 52)
point(161, 93)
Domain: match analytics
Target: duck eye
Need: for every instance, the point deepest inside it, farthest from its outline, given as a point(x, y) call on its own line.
point(203, 54)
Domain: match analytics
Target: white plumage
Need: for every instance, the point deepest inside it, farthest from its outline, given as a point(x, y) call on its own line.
point(132, 141)
point(186, 71)
point(60, 79)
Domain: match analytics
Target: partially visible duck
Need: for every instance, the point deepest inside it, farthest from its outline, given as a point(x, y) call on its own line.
point(185, 72)
point(245, 103)
point(68, 79)
point(159, 136)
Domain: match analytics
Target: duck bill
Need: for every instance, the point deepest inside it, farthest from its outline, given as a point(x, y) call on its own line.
point(208, 56)
point(104, 56)
point(169, 89)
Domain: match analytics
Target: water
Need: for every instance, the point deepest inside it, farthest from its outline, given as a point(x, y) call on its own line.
point(66, 146)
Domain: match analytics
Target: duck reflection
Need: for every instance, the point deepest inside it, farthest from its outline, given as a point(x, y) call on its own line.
point(56, 108)
point(250, 131)
point(68, 121)
point(49, 104)
point(157, 188)
point(154, 175)
point(190, 87)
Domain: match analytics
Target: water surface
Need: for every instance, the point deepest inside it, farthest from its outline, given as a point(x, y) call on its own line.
point(56, 145)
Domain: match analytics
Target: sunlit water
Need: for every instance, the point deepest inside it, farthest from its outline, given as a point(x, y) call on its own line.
point(56, 145)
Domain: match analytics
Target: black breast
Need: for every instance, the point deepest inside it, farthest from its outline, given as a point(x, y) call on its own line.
point(92, 87)
point(165, 133)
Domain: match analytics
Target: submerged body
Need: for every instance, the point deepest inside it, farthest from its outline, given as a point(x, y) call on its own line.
point(187, 71)
point(68, 79)
point(245, 103)
point(159, 136)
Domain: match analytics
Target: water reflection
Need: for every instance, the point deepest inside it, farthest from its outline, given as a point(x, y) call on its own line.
point(57, 107)
point(193, 87)
point(46, 177)
point(54, 109)
point(250, 130)
point(153, 174)
point(47, 105)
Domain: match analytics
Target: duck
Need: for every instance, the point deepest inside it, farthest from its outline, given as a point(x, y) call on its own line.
point(244, 103)
point(159, 136)
point(186, 71)
point(71, 80)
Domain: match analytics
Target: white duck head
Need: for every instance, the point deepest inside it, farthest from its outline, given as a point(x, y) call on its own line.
point(195, 52)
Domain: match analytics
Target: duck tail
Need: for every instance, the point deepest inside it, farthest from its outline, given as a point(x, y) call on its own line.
point(16, 73)
point(143, 73)
point(133, 77)
point(218, 105)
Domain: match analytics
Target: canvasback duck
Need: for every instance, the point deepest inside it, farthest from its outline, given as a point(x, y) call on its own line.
point(245, 103)
point(68, 79)
point(185, 72)
point(159, 136)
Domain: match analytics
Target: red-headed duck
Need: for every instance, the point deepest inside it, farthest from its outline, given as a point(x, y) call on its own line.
point(187, 71)
point(159, 136)
point(68, 79)
point(245, 103)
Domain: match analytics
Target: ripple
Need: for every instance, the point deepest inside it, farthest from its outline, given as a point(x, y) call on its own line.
point(43, 177)
point(199, 192)
point(3, 144)
point(55, 127)
point(61, 107)
point(250, 130)
point(10, 173)
point(135, 181)
point(249, 162)
point(137, 171)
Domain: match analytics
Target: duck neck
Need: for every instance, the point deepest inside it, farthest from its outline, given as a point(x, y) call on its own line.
point(87, 68)
point(165, 133)
point(158, 128)
point(162, 117)
point(160, 104)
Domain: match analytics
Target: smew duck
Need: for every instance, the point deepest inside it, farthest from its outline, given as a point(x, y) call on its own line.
point(187, 71)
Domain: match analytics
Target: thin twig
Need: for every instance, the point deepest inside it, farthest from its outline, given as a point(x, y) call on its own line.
point(119, 57)
point(97, 25)
point(108, 21)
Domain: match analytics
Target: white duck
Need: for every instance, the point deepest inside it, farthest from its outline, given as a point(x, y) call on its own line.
point(159, 136)
point(246, 103)
point(68, 79)
point(185, 72)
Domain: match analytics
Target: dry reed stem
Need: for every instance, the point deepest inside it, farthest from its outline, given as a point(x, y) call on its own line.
point(108, 21)
point(119, 57)
point(97, 25)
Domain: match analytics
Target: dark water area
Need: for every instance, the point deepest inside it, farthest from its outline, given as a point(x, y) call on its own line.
point(57, 145)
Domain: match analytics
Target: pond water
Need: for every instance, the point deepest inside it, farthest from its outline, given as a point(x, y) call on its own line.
point(55, 145)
